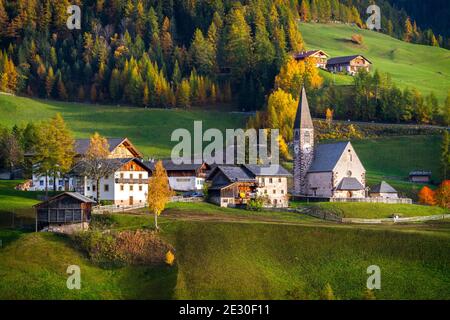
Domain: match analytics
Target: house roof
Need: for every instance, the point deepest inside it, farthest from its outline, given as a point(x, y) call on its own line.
point(267, 170)
point(303, 118)
point(349, 184)
point(234, 173)
point(74, 195)
point(383, 187)
point(326, 156)
point(346, 59)
point(421, 173)
point(113, 164)
point(306, 54)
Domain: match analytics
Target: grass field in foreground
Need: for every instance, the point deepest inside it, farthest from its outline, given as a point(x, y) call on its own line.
point(241, 261)
point(411, 65)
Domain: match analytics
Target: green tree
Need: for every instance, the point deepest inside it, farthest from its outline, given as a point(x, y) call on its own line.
point(445, 155)
point(202, 53)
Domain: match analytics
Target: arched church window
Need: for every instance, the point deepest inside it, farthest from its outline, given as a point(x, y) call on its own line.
point(349, 173)
point(350, 156)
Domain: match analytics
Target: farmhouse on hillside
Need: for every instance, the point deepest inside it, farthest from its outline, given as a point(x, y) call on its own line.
point(319, 57)
point(232, 186)
point(420, 176)
point(349, 64)
point(184, 176)
point(66, 212)
point(326, 170)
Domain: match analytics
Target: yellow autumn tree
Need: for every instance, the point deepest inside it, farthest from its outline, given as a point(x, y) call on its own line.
point(329, 116)
point(170, 258)
point(159, 192)
point(296, 74)
point(281, 110)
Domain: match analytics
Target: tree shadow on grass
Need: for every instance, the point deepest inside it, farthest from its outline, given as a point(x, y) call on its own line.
point(149, 283)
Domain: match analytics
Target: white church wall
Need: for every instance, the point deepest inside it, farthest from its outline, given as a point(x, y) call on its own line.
point(350, 166)
point(319, 184)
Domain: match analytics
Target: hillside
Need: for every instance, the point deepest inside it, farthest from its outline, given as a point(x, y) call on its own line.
point(149, 129)
point(411, 65)
point(239, 260)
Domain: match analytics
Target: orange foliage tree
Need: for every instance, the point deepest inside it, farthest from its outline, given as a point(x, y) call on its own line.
point(442, 195)
point(427, 196)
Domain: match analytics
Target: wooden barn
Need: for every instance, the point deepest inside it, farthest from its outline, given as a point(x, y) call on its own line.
point(66, 212)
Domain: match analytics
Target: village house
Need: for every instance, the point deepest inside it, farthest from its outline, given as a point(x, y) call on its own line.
point(66, 212)
point(349, 64)
point(118, 148)
point(126, 184)
point(184, 176)
point(383, 190)
point(326, 170)
point(420, 176)
point(319, 57)
point(234, 185)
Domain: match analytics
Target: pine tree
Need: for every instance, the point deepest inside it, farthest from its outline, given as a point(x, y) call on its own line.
point(202, 54)
point(166, 38)
point(183, 94)
point(3, 19)
point(445, 155)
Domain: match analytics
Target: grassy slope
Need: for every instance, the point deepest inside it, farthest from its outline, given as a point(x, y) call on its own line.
point(380, 210)
point(149, 129)
point(241, 260)
point(424, 67)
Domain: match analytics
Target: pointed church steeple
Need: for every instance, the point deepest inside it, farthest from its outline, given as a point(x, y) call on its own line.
point(303, 145)
point(303, 118)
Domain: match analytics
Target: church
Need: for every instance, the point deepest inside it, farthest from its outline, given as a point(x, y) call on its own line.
point(325, 170)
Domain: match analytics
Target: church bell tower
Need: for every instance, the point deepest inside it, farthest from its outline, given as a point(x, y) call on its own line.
point(303, 145)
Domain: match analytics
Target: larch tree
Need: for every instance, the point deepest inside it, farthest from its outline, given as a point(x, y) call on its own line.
point(96, 164)
point(159, 192)
point(54, 150)
point(445, 155)
point(427, 196)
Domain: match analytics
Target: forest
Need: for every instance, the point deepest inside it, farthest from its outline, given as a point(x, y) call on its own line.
point(171, 53)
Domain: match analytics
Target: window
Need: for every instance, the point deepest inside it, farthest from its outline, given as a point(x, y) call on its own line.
point(131, 187)
point(41, 183)
point(140, 175)
point(307, 137)
point(140, 188)
point(350, 157)
point(349, 173)
point(274, 191)
point(282, 191)
point(106, 177)
point(132, 167)
point(279, 180)
point(121, 176)
point(131, 176)
point(88, 188)
point(265, 191)
point(106, 186)
point(93, 187)
point(270, 180)
point(121, 187)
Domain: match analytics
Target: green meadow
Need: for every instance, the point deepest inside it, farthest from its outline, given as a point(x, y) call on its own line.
point(411, 65)
point(239, 260)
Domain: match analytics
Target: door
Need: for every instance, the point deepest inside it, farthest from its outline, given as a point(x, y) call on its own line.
point(131, 200)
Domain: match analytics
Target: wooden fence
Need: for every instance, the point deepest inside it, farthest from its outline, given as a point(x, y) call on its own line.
point(374, 200)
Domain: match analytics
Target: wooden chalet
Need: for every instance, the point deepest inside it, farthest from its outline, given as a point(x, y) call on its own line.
point(64, 212)
point(319, 57)
point(349, 64)
point(420, 176)
point(231, 186)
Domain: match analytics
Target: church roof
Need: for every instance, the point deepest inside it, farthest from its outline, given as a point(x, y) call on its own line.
point(326, 156)
point(349, 184)
point(303, 118)
point(383, 187)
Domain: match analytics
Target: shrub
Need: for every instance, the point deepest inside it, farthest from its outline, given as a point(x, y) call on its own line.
point(102, 221)
point(123, 248)
point(256, 204)
point(357, 39)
